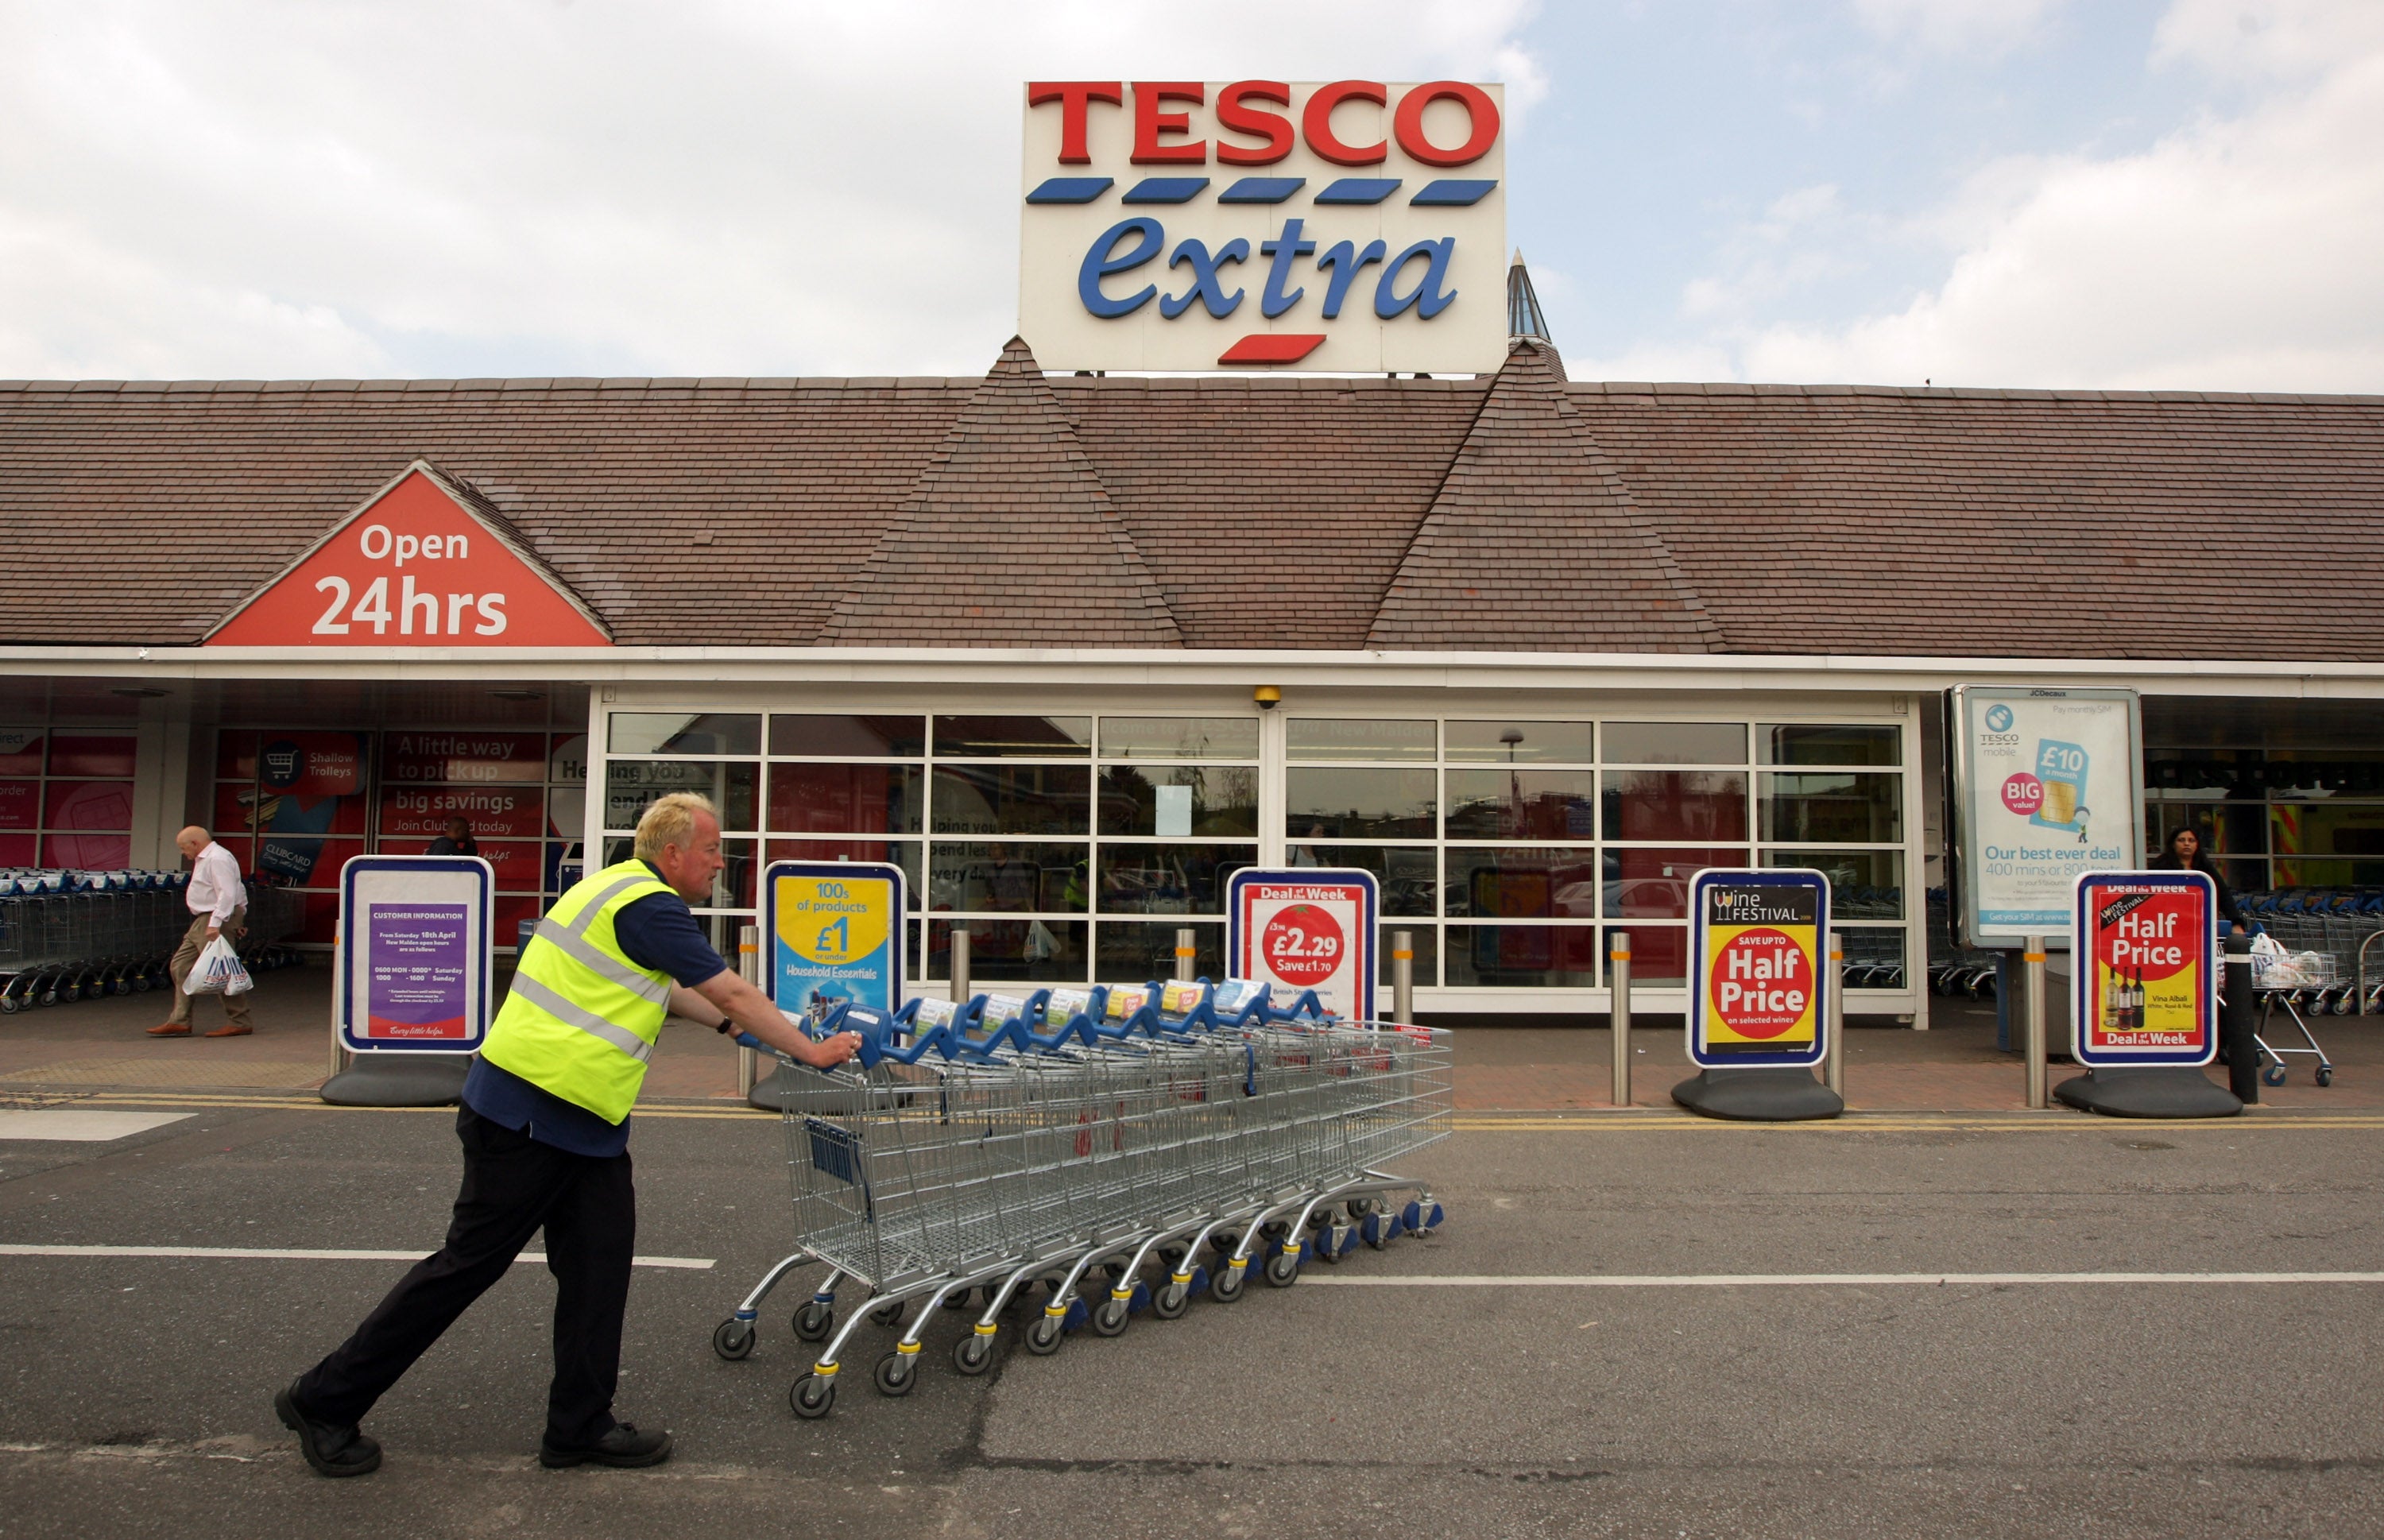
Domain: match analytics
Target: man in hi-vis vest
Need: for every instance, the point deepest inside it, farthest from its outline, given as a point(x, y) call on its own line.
point(545, 1128)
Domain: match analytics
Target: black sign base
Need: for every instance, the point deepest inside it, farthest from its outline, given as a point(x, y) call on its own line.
point(1765, 1095)
point(2164, 1091)
point(400, 1080)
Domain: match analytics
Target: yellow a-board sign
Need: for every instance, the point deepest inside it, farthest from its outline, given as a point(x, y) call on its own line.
point(835, 932)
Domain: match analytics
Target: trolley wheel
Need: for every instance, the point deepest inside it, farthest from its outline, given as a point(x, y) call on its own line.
point(1227, 1283)
point(888, 1315)
point(121, 987)
point(49, 997)
point(1110, 1318)
point(1361, 1207)
point(812, 1396)
point(2273, 1075)
point(69, 994)
point(1043, 1337)
point(895, 1375)
point(140, 983)
point(814, 1321)
point(1282, 1269)
point(10, 1005)
point(1171, 1302)
point(2326, 1075)
point(732, 1339)
point(972, 1354)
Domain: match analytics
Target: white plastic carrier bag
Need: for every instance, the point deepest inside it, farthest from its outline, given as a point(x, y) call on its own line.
point(219, 972)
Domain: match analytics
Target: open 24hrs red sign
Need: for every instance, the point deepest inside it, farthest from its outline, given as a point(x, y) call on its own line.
point(1758, 955)
point(1308, 927)
point(2146, 969)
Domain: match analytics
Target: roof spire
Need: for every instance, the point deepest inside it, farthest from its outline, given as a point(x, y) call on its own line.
point(1524, 317)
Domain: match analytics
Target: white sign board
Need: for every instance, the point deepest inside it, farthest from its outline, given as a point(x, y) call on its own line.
point(1309, 927)
point(2048, 784)
point(415, 953)
point(1349, 226)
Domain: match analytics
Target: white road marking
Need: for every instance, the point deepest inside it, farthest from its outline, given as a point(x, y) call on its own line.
point(259, 1253)
point(1816, 1279)
point(69, 1123)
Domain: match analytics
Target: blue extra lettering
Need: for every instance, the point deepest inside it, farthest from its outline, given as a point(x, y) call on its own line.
point(1103, 260)
point(1285, 249)
point(1430, 297)
point(1344, 262)
point(1206, 288)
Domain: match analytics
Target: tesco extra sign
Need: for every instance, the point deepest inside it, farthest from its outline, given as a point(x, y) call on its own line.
point(1343, 226)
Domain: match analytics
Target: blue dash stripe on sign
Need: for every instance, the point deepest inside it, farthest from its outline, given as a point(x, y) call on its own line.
point(1454, 190)
point(1359, 190)
point(1165, 190)
point(1261, 190)
point(1070, 190)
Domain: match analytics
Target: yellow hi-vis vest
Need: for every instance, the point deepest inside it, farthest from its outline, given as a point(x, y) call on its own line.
point(581, 1019)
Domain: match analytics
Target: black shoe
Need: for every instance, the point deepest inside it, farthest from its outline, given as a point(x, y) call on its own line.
point(624, 1448)
point(331, 1451)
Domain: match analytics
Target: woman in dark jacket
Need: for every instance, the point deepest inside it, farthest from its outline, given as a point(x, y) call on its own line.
point(2185, 854)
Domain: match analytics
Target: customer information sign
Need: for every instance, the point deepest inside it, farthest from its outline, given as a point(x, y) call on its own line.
point(2048, 784)
point(2146, 969)
point(415, 953)
point(835, 931)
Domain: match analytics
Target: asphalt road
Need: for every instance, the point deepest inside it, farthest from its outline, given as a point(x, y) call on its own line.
point(134, 1391)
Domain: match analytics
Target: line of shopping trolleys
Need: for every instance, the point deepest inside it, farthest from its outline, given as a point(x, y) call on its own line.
point(1162, 1140)
point(66, 936)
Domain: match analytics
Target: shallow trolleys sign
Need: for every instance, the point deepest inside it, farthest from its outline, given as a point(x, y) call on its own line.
point(1343, 225)
point(1758, 950)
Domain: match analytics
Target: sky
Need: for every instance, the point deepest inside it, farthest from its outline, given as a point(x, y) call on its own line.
point(2090, 194)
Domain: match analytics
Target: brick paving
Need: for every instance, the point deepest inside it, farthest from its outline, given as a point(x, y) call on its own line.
point(1953, 1067)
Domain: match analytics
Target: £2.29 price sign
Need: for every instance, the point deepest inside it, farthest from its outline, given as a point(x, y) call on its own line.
point(1760, 948)
point(1308, 927)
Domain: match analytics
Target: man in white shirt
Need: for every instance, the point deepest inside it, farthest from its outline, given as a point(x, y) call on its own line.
point(218, 904)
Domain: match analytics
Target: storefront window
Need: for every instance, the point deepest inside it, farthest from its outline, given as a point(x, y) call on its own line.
point(879, 799)
point(1174, 800)
point(1522, 805)
point(1013, 737)
point(1510, 883)
point(850, 737)
point(1674, 804)
point(1012, 799)
point(1834, 808)
point(1326, 737)
point(630, 785)
point(1523, 957)
point(1675, 743)
point(1523, 742)
point(1340, 803)
point(1798, 745)
point(680, 733)
point(1864, 885)
point(1200, 737)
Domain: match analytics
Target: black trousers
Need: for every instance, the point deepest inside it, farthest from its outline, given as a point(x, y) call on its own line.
point(512, 1185)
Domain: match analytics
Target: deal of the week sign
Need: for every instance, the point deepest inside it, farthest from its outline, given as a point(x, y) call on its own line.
point(835, 931)
point(2145, 968)
point(1759, 950)
point(1309, 927)
point(1346, 226)
point(2049, 784)
point(414, 952)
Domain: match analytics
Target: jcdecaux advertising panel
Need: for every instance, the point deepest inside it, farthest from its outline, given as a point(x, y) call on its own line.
point(2048, 784)
point(1340, 226)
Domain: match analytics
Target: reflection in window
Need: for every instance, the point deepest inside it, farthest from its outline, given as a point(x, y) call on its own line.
point(1168, 879)
point(1830, 745)
point(1675, 743)
point(1506, 884)
point(848, 737)
point(1013, 737)
point(1046, 952)
point(1851, 808)
point(1001, 876)
point(842, 799)
point(1864, 885)
point(1343, 803)
point(1522, 805)
point(1674, 804)
point(1180, 800)
point(1134, 950)
point(1654, 882)
point(1659, 954)
point(900, 852)
point(630, 785)
point(1523, 742)
point(1235, 737)
point(1405, 874)
point(659, 732)
point(1317, 738)
point(1523, 957)
point(1013, 799)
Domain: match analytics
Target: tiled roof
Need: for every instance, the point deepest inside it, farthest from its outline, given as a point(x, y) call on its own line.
point(1252, 511)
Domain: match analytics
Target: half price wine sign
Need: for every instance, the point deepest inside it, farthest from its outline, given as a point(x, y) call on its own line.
point(2147, 981)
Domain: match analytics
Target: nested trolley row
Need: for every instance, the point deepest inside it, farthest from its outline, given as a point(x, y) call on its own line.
point(81, 940)
point(1169, 1136)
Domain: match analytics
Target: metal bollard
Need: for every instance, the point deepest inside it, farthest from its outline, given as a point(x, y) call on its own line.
point(1834, 1066)
point(1403, 978)
point(1618, 977)
point(2032, 1000)
point(1187, 948)
point(749, 968)
point(959, 964)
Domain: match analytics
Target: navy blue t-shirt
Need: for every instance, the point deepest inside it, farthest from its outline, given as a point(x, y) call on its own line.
point(659, 932)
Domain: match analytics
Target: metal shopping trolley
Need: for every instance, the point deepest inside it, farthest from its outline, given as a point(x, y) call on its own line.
point(2297, 982)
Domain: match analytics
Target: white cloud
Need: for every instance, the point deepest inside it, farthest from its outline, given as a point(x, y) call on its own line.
point(2238, 253)
point(737, 186)
point(1976, 27)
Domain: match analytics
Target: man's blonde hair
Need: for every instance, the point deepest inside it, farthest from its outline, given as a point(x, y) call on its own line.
point(670, 821)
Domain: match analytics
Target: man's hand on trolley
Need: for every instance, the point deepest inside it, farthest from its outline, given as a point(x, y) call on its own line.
point(726, 997)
